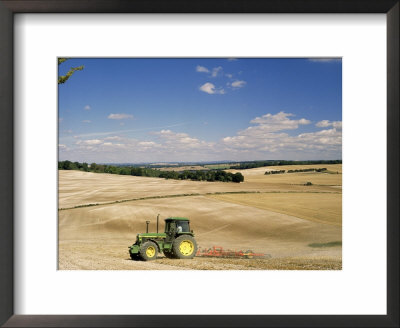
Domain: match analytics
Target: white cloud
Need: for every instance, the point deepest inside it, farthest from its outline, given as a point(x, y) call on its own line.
point(111, 145)
point(164, 145)
point(99, 146)
point(267, 136)
point(323, 124)
point(147, 143)
point(119, 116)
point(238, 84)
point(337, 124)
point(322, 138)
point(92, 142)
point(229, 75)
point(89, 142)
point(60, 120)
point(181, 141)
point(277, 122)
point(86, 121)
point(326, 123)
point(210, 89)
point(216, 71)
point(232, 59)
point(113, 138)
point(202, 69)
point(87, 107)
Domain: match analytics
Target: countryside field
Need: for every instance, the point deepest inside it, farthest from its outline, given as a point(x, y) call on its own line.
point(298, 225)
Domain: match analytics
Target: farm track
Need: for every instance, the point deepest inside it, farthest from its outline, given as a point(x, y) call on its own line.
point(196, 194)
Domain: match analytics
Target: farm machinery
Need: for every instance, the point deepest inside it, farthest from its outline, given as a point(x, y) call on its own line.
point(177, 241)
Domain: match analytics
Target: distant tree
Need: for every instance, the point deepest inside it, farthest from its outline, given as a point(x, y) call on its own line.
point(125, 171)
point(85, 167)
point(100, 168)
point(238, 177)
point(67, 165)
point(137, 171)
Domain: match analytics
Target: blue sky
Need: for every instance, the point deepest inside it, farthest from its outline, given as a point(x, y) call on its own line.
point(200, 109)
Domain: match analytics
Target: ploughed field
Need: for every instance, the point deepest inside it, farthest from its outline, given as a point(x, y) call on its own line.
point(299, 226)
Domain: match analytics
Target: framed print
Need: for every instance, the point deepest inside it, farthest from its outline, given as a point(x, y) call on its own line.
point(219, 90)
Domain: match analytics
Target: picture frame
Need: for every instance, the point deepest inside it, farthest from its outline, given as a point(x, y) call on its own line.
point(7, 10)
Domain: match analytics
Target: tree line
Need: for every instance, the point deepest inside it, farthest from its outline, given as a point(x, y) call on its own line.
point(198, 175)
point(211, 175)
point(307, 170)
point(254, 164)
point(296, 171)
point(275, 172)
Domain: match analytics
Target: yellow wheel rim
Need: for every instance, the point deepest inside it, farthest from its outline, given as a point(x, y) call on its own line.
point(186, 247)
point(150, 251)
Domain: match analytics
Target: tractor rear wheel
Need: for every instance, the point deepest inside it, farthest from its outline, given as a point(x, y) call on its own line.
point(148, 251)
point(184, 247)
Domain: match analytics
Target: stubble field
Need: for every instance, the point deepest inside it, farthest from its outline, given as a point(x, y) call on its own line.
point(299, 226)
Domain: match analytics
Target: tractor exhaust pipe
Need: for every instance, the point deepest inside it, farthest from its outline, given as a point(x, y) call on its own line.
point(158, 216)
point(147, 226)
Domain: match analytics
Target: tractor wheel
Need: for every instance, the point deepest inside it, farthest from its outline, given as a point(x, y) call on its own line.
point(249, 251)
point(148, 251)
point(169, 255)
point(184, 247)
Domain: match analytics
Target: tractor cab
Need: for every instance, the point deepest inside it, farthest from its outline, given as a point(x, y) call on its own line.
point(177, 226)
point(174, 227)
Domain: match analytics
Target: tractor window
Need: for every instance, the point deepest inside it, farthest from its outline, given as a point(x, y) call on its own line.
point(184, 225)
point(167, 226)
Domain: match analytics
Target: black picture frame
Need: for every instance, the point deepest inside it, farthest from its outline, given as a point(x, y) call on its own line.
point(10, 7)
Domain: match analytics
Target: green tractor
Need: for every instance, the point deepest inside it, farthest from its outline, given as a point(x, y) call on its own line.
point(177, 242)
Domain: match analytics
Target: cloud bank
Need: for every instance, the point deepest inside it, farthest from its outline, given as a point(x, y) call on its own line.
point(270, 136)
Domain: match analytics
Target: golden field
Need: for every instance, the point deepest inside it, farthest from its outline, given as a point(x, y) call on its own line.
point(273, 214)
point(317, 207)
